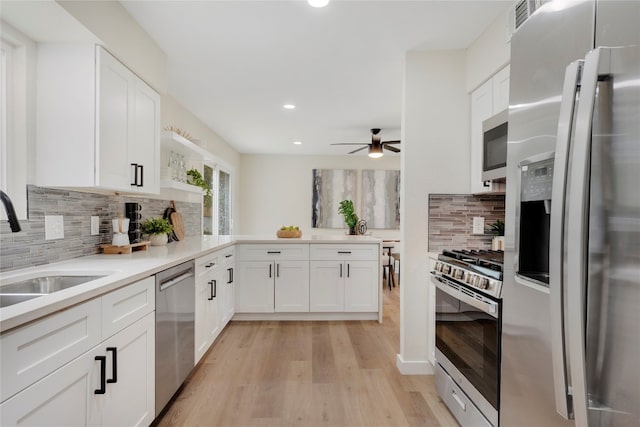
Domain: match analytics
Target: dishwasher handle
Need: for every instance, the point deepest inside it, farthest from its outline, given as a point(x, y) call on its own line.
point(175, 280)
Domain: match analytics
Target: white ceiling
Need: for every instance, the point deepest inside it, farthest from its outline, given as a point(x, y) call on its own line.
point(235, 63)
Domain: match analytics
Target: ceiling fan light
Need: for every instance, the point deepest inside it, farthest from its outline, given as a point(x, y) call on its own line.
point(318, 3)
point(375, 151)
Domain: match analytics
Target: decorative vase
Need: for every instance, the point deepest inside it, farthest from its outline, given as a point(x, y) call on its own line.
point(352, 231)
point(158, 239)
point(497, 243)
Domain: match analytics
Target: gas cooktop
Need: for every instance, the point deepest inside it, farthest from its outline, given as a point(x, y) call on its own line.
point(480, 269)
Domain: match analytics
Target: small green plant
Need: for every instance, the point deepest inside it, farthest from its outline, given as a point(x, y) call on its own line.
point(350, 218)
point(156, 226)
point(198, 179)
point(497, 228)
point(290, 228)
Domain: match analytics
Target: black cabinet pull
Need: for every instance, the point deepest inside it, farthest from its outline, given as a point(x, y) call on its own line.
point(214, 286)
point(228, 256)
point(135, 174)
point(114, 365)
point(273, 252)
point(141, 176)
point(270, 265)
point(277, 270)
point(103, 374)
point(348, 265)
point(340, 270)
point(344, 252)
point(230, 271)
point(211, 264)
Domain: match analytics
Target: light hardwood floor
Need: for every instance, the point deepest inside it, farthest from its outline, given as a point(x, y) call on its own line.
point(307, 374)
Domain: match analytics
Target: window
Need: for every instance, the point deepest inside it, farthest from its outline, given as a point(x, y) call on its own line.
point(224, 203)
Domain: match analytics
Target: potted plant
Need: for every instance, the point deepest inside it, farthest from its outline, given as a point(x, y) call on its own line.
point(497, 229)
point(350, 218)
point(195, 178)
point(158, 230)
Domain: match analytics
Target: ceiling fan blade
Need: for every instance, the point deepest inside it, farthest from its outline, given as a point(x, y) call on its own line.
point(359, 149)
point(391, 142)
point(394, 149)
point(350, 143)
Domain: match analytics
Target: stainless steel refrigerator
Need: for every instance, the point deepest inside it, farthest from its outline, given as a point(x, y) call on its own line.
point(571, 290)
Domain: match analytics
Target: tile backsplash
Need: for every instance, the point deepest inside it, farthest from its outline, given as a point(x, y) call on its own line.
point(29, 247)
point(451, 220)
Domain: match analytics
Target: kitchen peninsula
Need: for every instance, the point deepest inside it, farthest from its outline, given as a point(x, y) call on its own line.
point(320, 252)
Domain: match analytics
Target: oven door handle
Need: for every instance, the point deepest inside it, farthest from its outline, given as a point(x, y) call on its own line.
point(488, 307)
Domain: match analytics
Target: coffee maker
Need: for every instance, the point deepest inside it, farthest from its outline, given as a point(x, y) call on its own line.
point(133, 212)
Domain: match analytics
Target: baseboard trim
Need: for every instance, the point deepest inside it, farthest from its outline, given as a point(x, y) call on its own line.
point(414, 367)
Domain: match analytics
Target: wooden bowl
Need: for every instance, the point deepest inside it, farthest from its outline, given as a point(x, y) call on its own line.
point(289, 233)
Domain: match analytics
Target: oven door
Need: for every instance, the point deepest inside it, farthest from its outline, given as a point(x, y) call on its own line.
point(468, 332)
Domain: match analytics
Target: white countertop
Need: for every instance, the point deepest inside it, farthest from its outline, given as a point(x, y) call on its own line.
point(121, 270)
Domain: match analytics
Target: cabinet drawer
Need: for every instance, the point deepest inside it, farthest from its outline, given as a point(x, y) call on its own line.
point(206, 264)
point(227, 256)
point(273, 252)
point(363, 252)
point(37, 349)
point(126, 305)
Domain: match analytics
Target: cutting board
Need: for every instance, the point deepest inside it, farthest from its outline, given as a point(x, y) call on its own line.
point(176, 221)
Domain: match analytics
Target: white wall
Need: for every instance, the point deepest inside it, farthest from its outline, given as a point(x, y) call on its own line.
point(276, 190)
point(490, 52)
point(435, 159)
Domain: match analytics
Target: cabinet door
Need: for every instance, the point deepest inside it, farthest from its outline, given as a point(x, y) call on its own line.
point(292, 286)
point(501, 90)
point(201, 313)
point(481, 109)
point(144, 147)
point(361, 286)
point(254, 287)
point(130, 399)
point(326, 286)
point(64, 398)
point(114, 125)
point(226, 304)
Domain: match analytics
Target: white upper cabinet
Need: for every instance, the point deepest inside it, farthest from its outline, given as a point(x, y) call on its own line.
point(98, 123)
point(487, 100)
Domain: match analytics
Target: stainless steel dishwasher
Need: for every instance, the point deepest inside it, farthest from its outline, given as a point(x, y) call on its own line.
point(175, 317)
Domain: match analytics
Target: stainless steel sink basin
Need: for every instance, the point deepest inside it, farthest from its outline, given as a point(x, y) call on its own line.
point(37, 286)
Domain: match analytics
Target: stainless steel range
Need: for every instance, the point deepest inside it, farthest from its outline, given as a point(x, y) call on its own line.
point(468, 328)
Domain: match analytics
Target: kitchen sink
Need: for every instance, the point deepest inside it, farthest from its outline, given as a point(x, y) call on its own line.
point(27, 289)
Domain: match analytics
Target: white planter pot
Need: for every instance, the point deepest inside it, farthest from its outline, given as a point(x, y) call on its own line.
point(497, 244)
point(158, 239)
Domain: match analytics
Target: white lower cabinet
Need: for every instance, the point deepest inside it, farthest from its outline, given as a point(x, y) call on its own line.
point(272, 286)
point(207, 324)
point(349, 286)
point(72, 395)
point(226, 303)
point(111, 383)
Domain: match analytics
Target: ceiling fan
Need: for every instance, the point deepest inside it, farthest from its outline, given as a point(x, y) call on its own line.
point(376, 145)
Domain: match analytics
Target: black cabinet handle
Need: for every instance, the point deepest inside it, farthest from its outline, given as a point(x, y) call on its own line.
point(214, 289)
point(114, 365)
point(348, 266)
point(486, 184)
point(135, 174)
point(211, 264)
point(273, 252)
point(344, 252)
point(270, 265)
point(228, 256)
point(277, 270)
point(230, 271)
point(103, 374)
point(141, 176)
point(340, 270)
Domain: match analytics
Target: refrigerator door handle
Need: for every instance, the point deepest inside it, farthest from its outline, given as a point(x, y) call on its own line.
point(577, 237)
point(557, 240)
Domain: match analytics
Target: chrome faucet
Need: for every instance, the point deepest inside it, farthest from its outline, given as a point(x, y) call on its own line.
point(11, 213)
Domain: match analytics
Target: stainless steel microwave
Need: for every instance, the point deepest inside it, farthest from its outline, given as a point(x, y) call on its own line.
point(494, 146)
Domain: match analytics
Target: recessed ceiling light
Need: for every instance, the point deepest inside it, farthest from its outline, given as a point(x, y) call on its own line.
point(318, 3)
point(297, 142)
point(288, 106)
